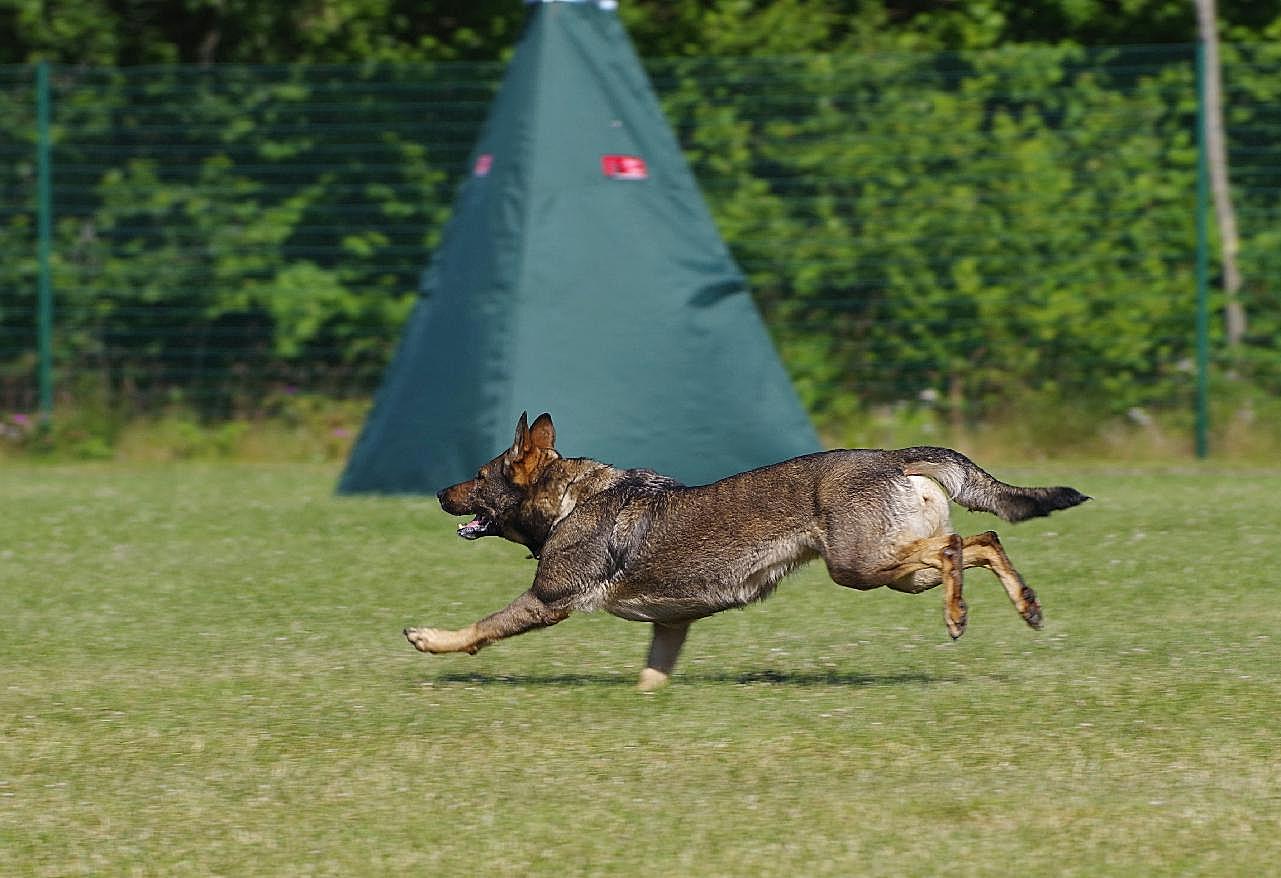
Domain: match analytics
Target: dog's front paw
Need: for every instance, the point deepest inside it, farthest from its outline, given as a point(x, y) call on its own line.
point(437, 640)
point(426, 639)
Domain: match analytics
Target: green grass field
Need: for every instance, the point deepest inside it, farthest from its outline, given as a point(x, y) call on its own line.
point(202, 672)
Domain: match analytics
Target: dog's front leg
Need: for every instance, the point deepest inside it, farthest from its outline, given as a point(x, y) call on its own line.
point(525, 613)
point(663, 650)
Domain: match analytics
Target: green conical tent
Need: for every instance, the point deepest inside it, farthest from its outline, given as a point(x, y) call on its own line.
point(580, 274)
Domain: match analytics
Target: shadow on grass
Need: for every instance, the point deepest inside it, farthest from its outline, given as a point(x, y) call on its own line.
point(748, 678)
point(822, 678)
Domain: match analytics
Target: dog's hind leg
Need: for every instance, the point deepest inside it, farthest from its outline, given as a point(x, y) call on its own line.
point(663, 650)
point(926, 563)
point(985, 550)
point(952, 566)
point(525, 613)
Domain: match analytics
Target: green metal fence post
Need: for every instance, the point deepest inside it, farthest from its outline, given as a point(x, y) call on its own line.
point(44, 233)
point(1202, 265)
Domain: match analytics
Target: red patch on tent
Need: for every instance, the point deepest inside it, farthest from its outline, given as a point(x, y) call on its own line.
point(483, 164)
point(624, 167)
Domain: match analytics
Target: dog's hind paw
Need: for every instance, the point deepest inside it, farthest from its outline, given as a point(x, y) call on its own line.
point(1031, 609)
point(956, 618)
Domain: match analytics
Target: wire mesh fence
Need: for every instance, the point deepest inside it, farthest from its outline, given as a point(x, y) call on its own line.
point(959, 231)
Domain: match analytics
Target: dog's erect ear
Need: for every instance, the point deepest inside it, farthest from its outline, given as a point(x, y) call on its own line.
point(535, 448)
point(522, 433)
point(543, 434)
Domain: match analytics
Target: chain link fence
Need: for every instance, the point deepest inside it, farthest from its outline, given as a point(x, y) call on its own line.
point(961, 232)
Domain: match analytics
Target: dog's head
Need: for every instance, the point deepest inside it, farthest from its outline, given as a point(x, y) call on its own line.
point(497, 493)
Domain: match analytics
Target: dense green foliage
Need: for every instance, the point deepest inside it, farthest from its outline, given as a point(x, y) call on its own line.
point(976, 225)
point(111, 32)
point(957, 228)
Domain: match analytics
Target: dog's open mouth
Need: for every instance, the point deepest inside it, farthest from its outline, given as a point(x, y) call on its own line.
point(478, 527)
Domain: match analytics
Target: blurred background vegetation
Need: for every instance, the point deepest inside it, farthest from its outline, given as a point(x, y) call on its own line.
point(960, 220)
point(107, 33)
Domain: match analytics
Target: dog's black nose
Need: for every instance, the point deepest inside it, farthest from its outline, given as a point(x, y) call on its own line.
point(440, 495)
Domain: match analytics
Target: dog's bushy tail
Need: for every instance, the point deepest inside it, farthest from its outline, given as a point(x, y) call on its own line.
point(974, 488)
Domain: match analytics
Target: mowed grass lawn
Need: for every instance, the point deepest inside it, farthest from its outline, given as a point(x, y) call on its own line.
point(202, 672)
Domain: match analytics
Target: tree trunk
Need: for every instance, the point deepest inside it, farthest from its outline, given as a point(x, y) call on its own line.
point(1217, 155)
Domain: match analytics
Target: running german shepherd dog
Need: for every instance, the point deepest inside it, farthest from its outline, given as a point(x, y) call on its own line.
point(645, 547)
